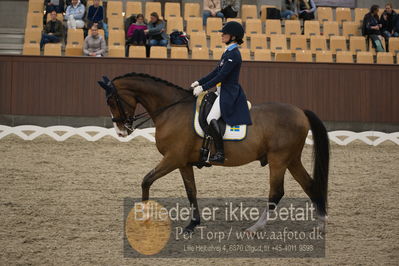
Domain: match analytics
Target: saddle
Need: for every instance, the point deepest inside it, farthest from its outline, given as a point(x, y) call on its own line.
point(205, 108)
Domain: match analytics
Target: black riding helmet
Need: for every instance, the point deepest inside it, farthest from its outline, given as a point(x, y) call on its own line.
point(234, 29)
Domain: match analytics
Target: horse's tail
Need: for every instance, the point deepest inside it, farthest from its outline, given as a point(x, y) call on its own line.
point(321, 154)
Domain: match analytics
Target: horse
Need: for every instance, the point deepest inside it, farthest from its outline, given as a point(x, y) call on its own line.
point(276, 138)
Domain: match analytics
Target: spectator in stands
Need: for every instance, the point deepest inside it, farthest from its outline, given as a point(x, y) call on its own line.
point(56, 5)
point(288, 9)
point(372, 28)
point(136, 34)
point(306, 9)
point(387, 21)
point(53, 30)
point(230, 8)
point(95, 15)
point(74, 15)
point(156, 31)
point(94, 44)
point(212, 8)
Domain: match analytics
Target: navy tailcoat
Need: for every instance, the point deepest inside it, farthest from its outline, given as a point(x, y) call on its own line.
point(233, 102)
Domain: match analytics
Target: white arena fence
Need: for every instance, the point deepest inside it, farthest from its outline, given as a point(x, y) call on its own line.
point(92, 133)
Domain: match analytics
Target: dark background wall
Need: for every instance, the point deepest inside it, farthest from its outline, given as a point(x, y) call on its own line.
point(67, 86)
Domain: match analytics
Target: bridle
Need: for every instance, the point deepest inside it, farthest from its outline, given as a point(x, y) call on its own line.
point(126, 119)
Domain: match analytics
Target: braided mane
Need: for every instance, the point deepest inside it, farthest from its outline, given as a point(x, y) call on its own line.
point(143, 75)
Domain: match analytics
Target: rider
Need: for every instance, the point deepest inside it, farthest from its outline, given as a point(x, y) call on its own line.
point(231, 103)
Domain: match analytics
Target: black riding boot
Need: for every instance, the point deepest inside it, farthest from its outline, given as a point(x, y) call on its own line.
point(214, 131)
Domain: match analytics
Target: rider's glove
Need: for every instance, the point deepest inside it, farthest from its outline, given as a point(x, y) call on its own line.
point(195, 84)
point(197, 90)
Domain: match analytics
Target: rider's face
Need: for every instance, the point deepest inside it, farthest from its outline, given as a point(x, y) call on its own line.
point(225, 37)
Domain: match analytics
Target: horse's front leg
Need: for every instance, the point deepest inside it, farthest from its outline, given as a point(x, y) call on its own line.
point(189, 183)
point(163, 168)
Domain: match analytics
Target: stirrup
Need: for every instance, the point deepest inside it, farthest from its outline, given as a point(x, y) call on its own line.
point(218, 157)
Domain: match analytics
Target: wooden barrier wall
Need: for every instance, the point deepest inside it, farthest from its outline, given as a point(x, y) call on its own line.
point(31, 85)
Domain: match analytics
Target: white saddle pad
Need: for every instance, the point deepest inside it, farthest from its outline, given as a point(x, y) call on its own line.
point(237, 132)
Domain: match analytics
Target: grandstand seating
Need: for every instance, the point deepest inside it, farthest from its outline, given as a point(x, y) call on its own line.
point(200, 53)
point(262, 55)
point(324, 56)
point(384, 58)
point(191, 10)
point(324, 14)
point(137, 52)
point(273, 26)
point(249, 12)
point(133, 8)
point(172, 10)
point(179, 53)
point(52, 49)
point(344, 57)
point(364, 58)
point(158, 52)
point(303, 56)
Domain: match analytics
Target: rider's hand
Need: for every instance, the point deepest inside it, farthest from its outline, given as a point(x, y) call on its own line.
point(195, 84)
point(197, 90)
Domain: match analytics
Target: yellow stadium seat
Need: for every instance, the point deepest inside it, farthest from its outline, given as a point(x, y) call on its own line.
point(357, 44)
point(191, 10)
point(36, 7)
point(90, 3)
point(60, 17)
point(116, 23)
point(34, 21)
point(350, 28)
point(75, 36)
point(318, 43)
point(194, 24)
point(324, 57)
point(330, 28)
point(364, 58)
point(200, 53)
point(338, 43)
point(198, 39)
point(263, 10)
point(384, 58)
point(174, 24)
point(33, 35)
point(137, 52)
point(179, 53)
point(312, 28)
point(303, 56)
point(114, 8)
point(172, 10)
point(344, 57)
point(133, 8)
point(116, 51)
point(116, 38)
point(158, 52)
point(292, 27)
point(262, 55)
point(213, 25)
point(245, 54)
point(298, 42)
point(253, 26)
point(394, 45)
point(278, 42)
point(234, 19)
point(152, 7)
point(324, 14)
point(283, 57)
point(52, 49)
point(343, 14)
point(273, 26)
point(249, 12)
point(258, 41)
point(360, 13)
point(74, 49)
point(31, 49)
point(217, 53)
point(216, 40)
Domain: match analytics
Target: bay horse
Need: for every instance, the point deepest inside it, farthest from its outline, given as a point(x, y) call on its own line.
point(276, 138)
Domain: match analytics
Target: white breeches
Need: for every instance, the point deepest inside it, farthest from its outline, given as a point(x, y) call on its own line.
point(215, 112)
point(75, 24)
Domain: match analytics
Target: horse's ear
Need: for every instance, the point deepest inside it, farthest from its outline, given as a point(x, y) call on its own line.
point(106, 87)
point(106, 80)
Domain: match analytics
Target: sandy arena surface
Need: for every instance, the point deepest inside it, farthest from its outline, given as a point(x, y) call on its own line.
point(61, 202)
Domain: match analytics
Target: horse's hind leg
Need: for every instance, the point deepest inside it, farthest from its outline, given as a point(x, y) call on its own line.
point(303, 178)
point(277, 171)
point(187, 174)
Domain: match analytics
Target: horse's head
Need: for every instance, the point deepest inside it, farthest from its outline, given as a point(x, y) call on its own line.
point(122, 110)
